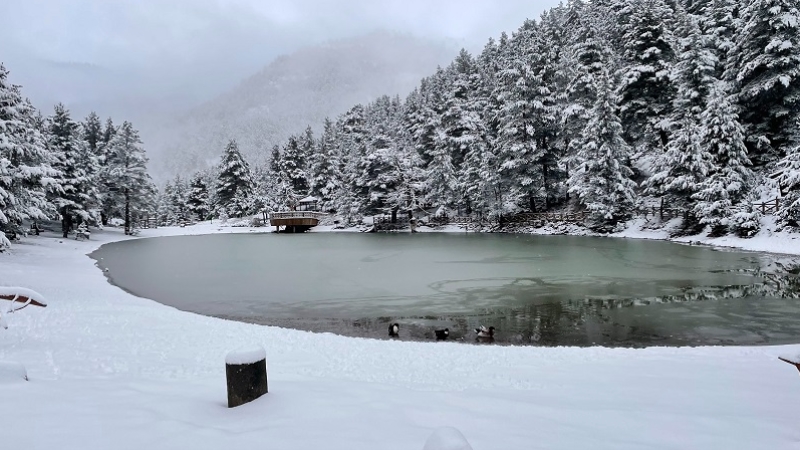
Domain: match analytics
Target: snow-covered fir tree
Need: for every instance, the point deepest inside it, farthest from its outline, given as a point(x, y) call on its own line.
point(766, 69)
point(234, 176)
point(179, 200)
point(602, 181)
point(719, 195)
point(79, 198)
point(96, 140)
point(128, 176)
point(198, 200)
point(26, 175)
point(646, 90)
point(788, 177)
point(323, 178)
point(718, 24)
point(293, 165)
point(521, 107)
point(351, 149)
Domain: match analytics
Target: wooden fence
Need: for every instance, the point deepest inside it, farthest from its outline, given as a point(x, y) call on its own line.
point(520, 218)
point(660, 212)
point(769, 207)
point(570, 217)
point(649, 212)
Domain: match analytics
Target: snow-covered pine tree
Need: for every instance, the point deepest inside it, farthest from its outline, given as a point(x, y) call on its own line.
point(94, 137)
point(111, 198)
point(80, 194)
point(293, 165)
point(6, 202)
point(351, 148)
point(127, 175)
point(323, 178)
point(179, 200)
point(11, 125)
point(423, 118)
point(26, 174)
point(275, 163)
point(678, 172)
point(723, 136)
point(686, 162)
point(234, 175)
point(646, 91)
point(93, 133)
point(602, 181)
point(517, 148)
point(694, 70)
point(718, 25)
point(464, 133)
point(307, 144)
point(198, 198)
point(765, 64)
point(34, 176)
point(788, 177)
point(481, 172)
point(589, 56)
point(165, 210)
point(555, 66)
point(108, 132)
point(381, 174)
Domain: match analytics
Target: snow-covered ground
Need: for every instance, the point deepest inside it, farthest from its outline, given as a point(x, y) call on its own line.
point(108, 370)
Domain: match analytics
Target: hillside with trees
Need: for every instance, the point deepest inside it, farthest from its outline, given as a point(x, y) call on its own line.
point(603, 107)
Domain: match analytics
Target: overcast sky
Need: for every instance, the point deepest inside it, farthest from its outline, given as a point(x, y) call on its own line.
point(100, 54)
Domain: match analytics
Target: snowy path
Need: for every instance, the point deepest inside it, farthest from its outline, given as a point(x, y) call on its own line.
point(109, 370)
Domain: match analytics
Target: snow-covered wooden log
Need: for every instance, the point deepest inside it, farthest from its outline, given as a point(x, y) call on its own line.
point(447, 438)
point(22, 296)
point(246, 373)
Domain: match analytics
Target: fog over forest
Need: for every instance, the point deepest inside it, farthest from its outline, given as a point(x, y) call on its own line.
point(151, 62)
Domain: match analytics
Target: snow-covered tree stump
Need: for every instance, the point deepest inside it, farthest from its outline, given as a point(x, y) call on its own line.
point(246, 372)
point(447, 438)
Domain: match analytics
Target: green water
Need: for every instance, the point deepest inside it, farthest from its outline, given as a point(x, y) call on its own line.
point(541, 290)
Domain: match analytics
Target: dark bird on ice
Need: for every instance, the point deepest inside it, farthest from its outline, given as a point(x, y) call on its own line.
point(441, 335)
point(394, 330)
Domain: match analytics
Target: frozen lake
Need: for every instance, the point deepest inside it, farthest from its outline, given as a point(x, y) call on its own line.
point(543, 290)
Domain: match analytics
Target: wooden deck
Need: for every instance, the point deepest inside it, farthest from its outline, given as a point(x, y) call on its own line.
point(295, 221)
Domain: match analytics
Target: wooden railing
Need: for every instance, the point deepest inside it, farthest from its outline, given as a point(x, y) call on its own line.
point(399, 220)
point(454, 220)
point(545, 217)
point(297, 215)
point(661, 212)
point(769, 207)
point(515, 218)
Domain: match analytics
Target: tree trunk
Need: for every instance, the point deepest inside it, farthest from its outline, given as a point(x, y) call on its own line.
point(127, 212)
point(66, 221)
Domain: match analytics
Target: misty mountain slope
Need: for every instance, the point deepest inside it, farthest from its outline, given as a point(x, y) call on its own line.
point(290, 93)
